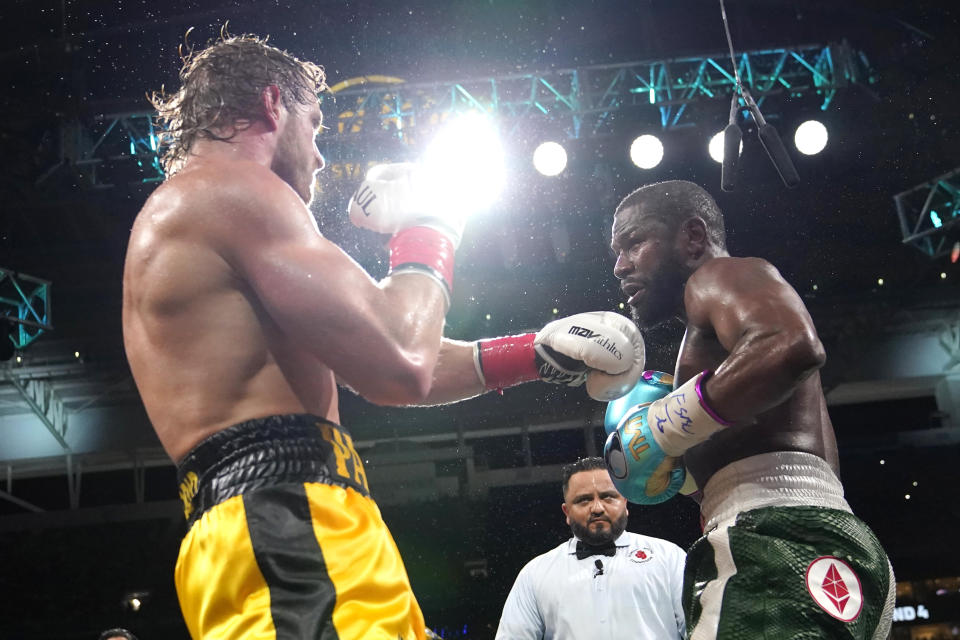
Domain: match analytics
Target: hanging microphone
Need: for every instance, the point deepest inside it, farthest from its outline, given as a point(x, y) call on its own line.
point(770, 140)
point(772, 144)
point(599, 565)
point(768, 135)
point(731, 153)
point(731, 148)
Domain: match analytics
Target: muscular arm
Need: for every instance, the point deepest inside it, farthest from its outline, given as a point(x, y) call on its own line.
point(601, 348)
point(455, 376)
point(762, 322)
point(382, 339)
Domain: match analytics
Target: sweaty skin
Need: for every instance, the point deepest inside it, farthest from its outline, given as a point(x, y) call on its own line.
point(749, 326)
point(236, 307)
point(744, 322)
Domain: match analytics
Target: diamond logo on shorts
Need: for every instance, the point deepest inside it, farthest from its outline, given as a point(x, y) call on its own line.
point(834, 585)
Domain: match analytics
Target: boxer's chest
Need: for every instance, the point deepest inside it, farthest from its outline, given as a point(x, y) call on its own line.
point(699, 350)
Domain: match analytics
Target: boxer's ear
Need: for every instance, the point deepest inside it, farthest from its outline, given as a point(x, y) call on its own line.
point(272, 103)
point(694, 238)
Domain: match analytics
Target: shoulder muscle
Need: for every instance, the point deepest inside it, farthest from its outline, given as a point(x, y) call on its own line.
point(734, 295)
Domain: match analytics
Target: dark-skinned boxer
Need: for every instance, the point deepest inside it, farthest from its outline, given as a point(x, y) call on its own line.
point(782, 554)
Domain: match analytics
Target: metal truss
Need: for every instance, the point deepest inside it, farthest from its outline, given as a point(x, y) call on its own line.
point(24, 306)
point(570, 103)
point(113, 149)
point(584, 101)
point(930, 214)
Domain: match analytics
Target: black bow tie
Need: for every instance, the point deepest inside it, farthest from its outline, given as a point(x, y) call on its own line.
point(586, 550)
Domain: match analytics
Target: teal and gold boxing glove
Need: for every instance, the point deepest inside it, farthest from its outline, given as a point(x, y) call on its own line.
point(651, 386)
point(639, 467)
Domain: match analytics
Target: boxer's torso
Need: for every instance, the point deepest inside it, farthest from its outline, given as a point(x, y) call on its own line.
point(203, 351)
point(800, 423)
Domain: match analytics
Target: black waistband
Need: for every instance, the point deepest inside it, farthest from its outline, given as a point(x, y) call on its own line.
point(267, 452)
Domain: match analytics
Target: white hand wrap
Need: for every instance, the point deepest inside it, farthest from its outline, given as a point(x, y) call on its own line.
point(682, 419)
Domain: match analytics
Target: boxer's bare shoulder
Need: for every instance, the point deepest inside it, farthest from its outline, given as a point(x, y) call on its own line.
point(219, 198)
point(194, 330)
point(736, 300)
point(728, 286)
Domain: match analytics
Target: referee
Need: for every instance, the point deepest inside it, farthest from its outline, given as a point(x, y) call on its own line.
point(605, 582)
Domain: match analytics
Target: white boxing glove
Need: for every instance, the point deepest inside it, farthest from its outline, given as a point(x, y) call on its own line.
point(602, 348)
point(605, 346)
point(396, 196)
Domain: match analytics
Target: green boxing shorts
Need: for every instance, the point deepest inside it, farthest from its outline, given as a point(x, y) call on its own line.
point(783, 557)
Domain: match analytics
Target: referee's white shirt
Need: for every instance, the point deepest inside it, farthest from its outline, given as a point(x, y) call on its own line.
point(637, 594)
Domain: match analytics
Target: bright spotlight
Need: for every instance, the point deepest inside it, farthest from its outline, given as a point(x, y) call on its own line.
point(550, 158)
point(463, 165)
point(646, 151)
point(716, 147)
point(811, 137)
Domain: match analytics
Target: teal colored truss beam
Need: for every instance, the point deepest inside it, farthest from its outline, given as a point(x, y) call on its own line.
point(929, 214)
point(113, 149)
point(565, 103)
point(585, 101)
point(24, 303)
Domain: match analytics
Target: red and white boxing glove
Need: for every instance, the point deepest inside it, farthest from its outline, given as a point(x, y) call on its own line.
point(602, 348)
point(393, 199)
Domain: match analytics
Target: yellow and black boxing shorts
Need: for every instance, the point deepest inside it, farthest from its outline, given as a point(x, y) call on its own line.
point(284, 540)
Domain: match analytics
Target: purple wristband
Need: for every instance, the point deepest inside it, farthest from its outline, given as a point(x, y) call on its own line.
point(703, 403)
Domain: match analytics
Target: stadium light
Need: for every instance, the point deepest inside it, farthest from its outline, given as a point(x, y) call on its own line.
point(715, 148)
point(646, 151)
point(464, 165)
point(550, 158)
point(811, 137)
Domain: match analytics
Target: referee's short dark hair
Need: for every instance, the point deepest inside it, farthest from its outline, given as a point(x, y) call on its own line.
point(583, 464)
point(117, 633)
